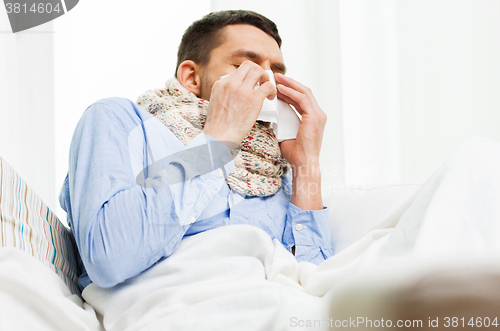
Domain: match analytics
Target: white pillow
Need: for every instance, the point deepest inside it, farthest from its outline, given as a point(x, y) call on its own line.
point(33, 297)
point(356, 209)
point(28, 224)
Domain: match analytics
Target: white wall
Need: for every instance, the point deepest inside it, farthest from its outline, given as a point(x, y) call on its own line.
point(418, 78)
point(450, 87)
point(27, 105)
point(370, 79)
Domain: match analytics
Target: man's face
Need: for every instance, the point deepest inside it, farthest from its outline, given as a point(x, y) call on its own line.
point(241, 42)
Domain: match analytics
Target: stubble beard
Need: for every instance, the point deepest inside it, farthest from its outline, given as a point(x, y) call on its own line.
point(206, 87)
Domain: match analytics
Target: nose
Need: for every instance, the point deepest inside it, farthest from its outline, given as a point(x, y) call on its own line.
point(266, 65)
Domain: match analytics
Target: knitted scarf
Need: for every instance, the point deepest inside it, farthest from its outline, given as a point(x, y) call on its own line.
point(259, 164)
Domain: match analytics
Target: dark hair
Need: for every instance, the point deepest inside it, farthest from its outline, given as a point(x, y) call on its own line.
point(205, 34)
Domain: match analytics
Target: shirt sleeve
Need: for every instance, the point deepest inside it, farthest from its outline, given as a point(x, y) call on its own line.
point(123, 222)
point(309, 232)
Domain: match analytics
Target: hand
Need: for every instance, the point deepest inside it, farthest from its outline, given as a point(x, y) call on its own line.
point(303, 150)
point(235, 105)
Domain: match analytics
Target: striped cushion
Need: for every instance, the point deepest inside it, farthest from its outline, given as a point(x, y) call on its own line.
point(28, 224)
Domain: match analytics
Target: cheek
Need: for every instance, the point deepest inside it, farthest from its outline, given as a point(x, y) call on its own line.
point(208, 79)
point(206, 87)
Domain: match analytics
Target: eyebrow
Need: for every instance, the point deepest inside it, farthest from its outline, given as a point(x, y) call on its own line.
point(278, 66)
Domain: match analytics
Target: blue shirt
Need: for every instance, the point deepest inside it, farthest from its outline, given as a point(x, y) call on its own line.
point(133, 191)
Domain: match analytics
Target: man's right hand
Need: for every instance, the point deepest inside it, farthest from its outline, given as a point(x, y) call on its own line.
point(235, 105)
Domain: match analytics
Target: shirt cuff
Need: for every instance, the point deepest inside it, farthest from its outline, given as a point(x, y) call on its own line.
point(311, 233)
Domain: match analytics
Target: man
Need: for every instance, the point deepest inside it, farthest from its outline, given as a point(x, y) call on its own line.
point(122, 227)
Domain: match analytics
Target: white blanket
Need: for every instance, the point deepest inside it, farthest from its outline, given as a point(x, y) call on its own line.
point(33, 297)
point(236, 278)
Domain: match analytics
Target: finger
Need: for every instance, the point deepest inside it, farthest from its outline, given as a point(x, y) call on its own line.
point(254, 76)
point(289, 101)
point(302, 100)
point(242, 71)
point(315, 111)
point(266, 90)
point(287, 81)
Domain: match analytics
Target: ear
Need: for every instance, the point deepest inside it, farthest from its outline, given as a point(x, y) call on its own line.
point(188, 75)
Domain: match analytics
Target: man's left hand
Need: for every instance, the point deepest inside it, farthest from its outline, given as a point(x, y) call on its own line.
point(304, 150)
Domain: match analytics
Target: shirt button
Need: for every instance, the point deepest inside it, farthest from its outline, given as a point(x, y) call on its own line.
point(299, 227)
point(234, 202)
point(192, 219)
point(221, 173)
